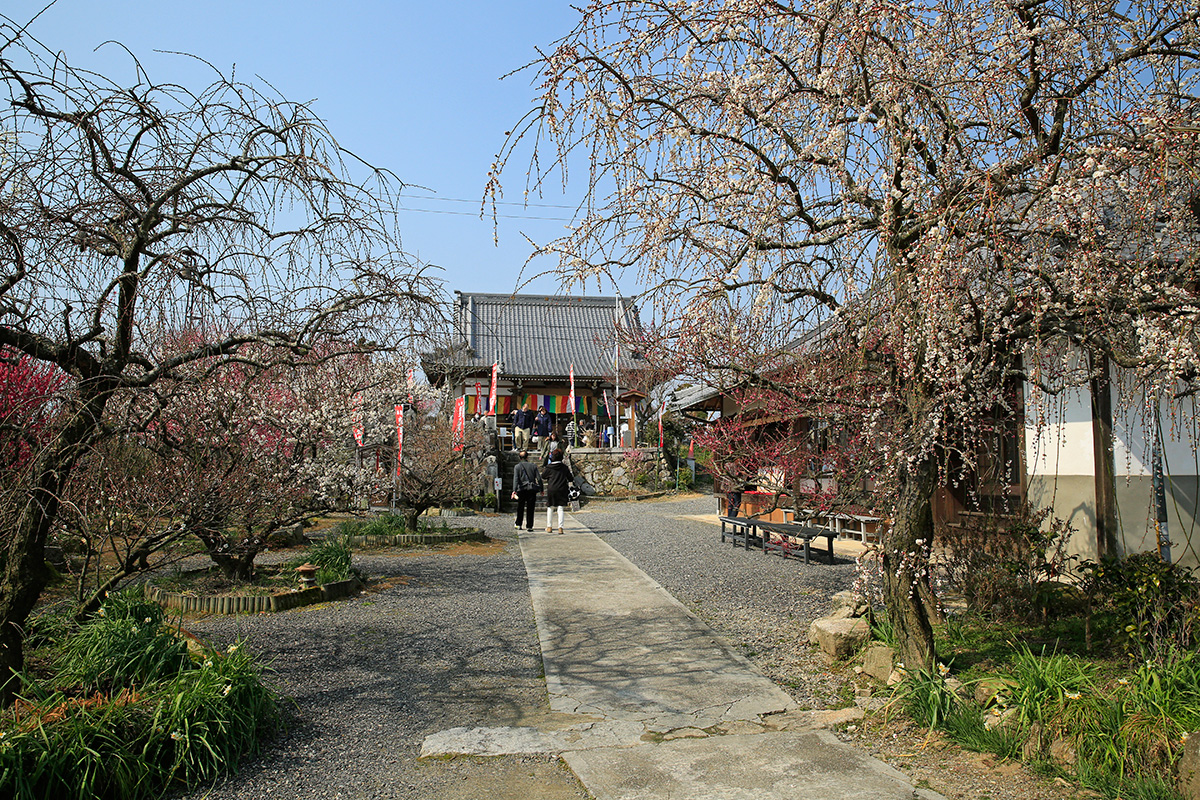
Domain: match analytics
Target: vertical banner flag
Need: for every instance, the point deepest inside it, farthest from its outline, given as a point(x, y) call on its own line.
point(607, 405)
point(459, 423)
point(356, 418)
point(571, 398)
point(479, 399)
point(399, 437)
point(691, 449)
point(661, 411)
point(492, 391)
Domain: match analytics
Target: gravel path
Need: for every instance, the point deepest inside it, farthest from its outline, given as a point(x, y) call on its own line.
point(763, 604)
point(446, 638)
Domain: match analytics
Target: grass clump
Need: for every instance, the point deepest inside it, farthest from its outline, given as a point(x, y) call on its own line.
point(164, 718)
point(333, 560)
point(127, 644)
point(1126, 722)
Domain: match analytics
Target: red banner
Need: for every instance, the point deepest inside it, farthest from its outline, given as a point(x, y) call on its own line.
point(661, 411)
point(399, 437)
point(459, 423)
point(492, 391)
point(571, 397)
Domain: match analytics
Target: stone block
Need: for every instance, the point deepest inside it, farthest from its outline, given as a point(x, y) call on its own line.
point(878, 661)
point(988, 689)
point(847, 604)
point(1000, 718)
point(1062, 753)
point(1035, 745)
point(1189, 768)
point(839, 638)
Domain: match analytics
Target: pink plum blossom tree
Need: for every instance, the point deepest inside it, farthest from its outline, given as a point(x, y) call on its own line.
point(130, 212)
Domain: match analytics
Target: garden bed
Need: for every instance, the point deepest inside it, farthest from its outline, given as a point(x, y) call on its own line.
point(252, 604)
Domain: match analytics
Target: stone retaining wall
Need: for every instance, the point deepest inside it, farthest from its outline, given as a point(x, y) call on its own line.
point(606, 471)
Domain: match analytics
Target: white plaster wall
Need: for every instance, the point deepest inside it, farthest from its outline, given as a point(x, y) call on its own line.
point(1058, 433)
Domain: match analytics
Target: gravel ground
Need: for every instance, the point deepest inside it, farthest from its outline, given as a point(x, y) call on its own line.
point(446, 637)
point(763, 604)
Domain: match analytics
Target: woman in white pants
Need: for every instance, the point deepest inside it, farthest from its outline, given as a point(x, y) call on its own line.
point(557, 477)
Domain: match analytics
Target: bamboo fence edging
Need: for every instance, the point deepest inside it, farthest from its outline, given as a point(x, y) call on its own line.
point(252, 604)
point(401, 539)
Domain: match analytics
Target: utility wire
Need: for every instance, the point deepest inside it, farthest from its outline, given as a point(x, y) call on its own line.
point(483, 202)
point(473, 214)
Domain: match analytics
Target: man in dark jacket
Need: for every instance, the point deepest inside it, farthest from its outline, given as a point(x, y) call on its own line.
point(543, 423)
point(526, 485)
point(522, 427)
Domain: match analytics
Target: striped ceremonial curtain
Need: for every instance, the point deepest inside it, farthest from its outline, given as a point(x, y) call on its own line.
point(503, 404)
point(559, 404)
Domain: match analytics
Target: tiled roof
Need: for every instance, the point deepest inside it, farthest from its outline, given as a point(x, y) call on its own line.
point(543, 335)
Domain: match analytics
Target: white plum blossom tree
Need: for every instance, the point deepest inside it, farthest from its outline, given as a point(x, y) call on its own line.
point(924, 199)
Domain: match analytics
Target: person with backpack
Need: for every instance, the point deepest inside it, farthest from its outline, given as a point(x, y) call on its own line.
point(526, 485)
point(558, 478)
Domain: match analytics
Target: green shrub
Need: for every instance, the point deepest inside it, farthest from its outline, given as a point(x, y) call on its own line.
point(125, 645)
point(1042, 684)
point(964, 725)
point(1153, 606)
point(129, 711)
point(685, 479)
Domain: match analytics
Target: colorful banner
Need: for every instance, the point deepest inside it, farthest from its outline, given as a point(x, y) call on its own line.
point(356, 418)
point(478, 392)
point(571, 397)
point(608, 404)
point(492, 391)
point(479, 405)
point(399, 437)
point(555, 404)
point(459, 423)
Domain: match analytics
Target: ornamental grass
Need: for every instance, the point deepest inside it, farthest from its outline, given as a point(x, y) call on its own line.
point(130, 711)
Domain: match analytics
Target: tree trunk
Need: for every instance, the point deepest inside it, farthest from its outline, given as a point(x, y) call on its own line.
point(906, 565)
point(23, 573)
point(1102, 453)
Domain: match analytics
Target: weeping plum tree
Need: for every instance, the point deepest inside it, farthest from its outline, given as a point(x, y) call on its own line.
point(924, 200)
point(130, 214)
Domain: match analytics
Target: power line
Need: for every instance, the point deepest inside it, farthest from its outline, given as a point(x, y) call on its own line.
point(477, 216)
point(484, 202)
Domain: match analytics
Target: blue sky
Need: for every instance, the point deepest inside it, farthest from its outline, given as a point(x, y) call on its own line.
point(411, 86)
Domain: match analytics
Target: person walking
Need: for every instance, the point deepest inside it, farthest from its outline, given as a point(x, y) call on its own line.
point(558, 477)
point(522, 427)
point(550, 444)
point(526, 485)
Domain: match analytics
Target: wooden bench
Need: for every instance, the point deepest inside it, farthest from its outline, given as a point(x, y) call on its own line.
point(788, 536)
point(741, 530)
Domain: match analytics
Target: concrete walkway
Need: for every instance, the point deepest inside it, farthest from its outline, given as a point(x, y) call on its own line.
point(648, 702)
